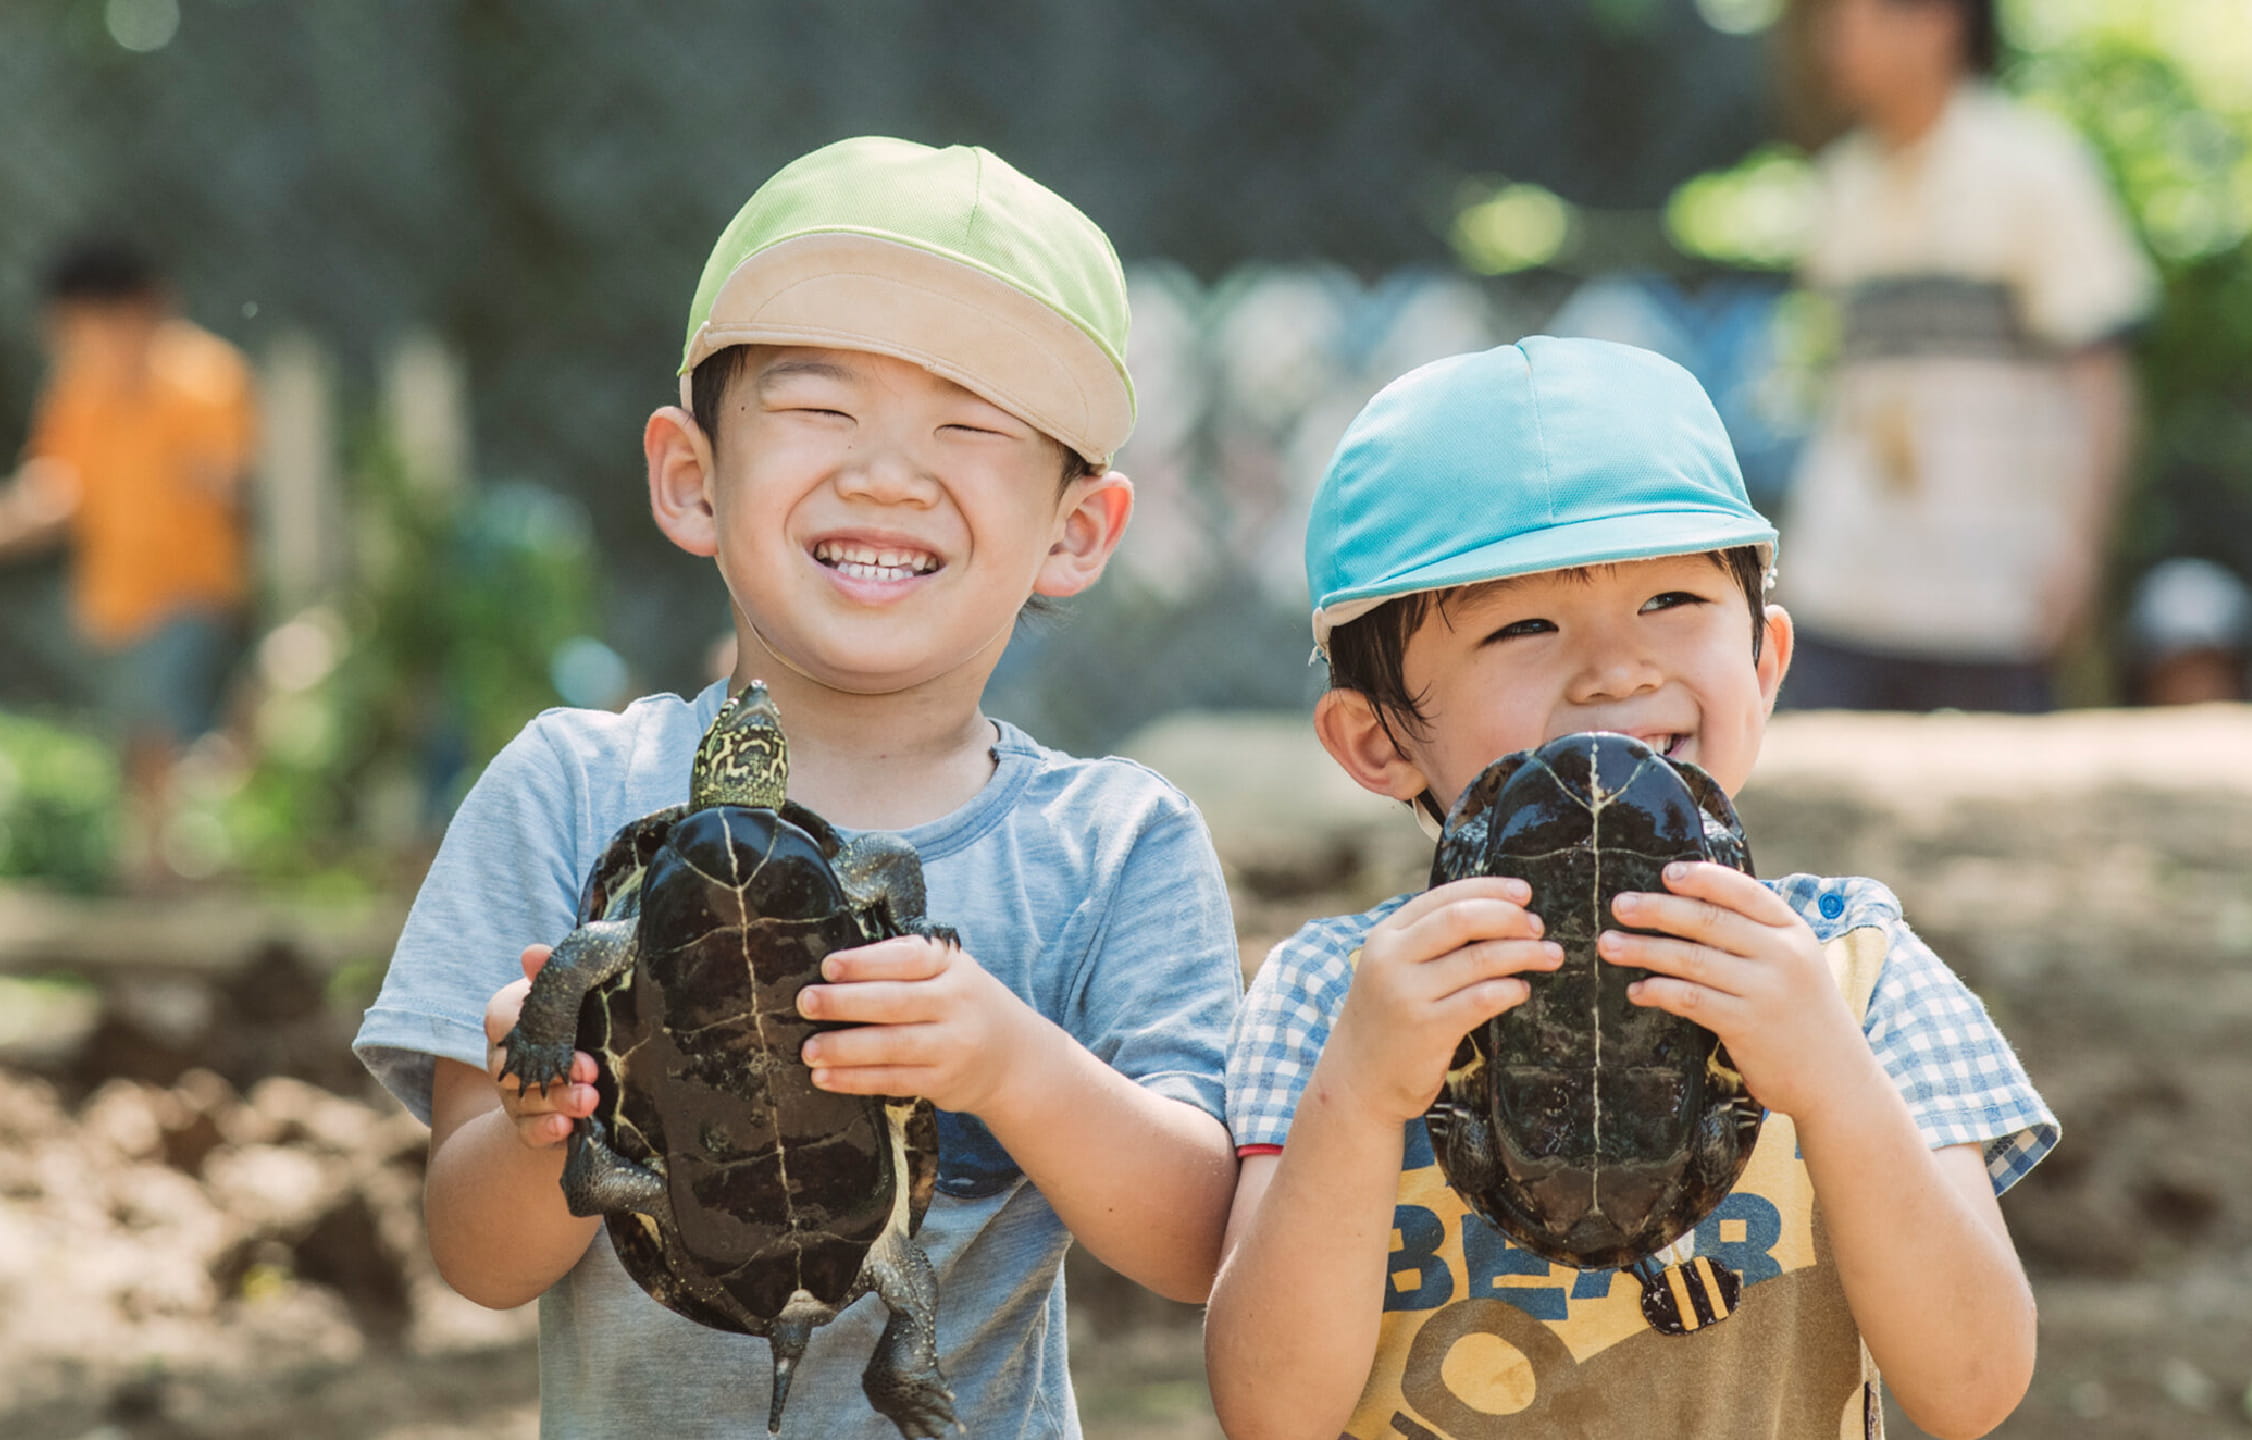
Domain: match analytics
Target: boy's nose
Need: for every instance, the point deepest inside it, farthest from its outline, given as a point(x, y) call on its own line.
point(888, 475)
point(1615, 676)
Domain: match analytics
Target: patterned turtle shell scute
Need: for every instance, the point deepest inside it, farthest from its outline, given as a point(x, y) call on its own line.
point(734, 1191)
point(1590, 1130)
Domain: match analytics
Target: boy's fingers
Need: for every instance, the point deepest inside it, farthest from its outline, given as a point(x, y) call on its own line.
point(1730, 889)
point(1466, 921)
point(1713, 1009)
point(1473, 965)
point(874, 1080)
point(872, 1045)
point(533, 958)
point(502, 1009)
point(1699, 965)
point(869, 1002)
point(1689, 918)
point(541, 1131)
point(1473, 1005)
point(903, 957)
point(568, 1101)
point(1438, 897)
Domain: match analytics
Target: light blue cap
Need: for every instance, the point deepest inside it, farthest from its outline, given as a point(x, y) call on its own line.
point(1541, 455)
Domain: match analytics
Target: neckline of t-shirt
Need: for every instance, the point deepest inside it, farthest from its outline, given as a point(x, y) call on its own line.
point(1016, 758)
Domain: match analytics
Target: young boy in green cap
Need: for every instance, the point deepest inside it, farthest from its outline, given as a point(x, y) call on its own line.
point(1542, 539)
point(903, 382)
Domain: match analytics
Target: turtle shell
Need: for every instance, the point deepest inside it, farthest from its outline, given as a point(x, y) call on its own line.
point(775, 1187)
point(1590, 1130)
point(733, 1190)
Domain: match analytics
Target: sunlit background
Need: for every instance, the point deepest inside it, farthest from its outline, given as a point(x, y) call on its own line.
point(458, 238)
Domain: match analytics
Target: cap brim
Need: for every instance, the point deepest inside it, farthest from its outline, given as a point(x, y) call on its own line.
point(850, 291)
point(1648, 535)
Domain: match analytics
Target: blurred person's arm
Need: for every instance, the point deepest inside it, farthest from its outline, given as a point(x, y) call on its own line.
point(2101, 380)
point(36, 506)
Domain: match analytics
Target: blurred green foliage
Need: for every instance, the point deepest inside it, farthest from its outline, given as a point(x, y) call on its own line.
point(2164, 93)
point(2162, 89)
point(372, 710)
point(58, 803)
point(364, 715)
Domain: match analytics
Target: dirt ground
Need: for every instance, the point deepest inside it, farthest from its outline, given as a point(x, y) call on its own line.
point(208, 1220)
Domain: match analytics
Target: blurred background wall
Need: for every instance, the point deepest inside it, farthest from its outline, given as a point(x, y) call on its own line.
point(458, 238)
point(459, 235)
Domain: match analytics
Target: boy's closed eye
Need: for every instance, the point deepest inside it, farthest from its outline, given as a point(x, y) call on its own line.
point(1518, 628)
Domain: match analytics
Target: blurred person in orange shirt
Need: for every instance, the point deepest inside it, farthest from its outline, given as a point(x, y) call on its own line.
point(138, 455)
point(1950, 517)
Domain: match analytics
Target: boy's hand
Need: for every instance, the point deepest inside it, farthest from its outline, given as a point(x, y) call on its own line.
point(1740, 962)
point(930, 1021)
point(1431, 972)
point(541, 1120)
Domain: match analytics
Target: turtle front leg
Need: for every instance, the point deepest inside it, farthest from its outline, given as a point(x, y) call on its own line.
point(902, 1380)
point(1464, 1145)
point(880, 871)
point(597, 1180)
point(539, 1048)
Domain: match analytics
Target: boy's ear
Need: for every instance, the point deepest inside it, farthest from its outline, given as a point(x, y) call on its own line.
point(1090, 523)
point(1776, 645)
point(681, 480)
point(1356, 738)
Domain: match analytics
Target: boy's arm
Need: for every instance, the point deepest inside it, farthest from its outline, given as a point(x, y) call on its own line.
point(1140, 1178)
point(1293, 1325)
point(1927, 1266)
point(493, 1200)
point(1926, 1262)
point(1104, 1091)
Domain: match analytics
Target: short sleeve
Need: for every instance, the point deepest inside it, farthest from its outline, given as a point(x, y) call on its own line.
point(2081, 274)
point(1285, 1020)
point(1160, 982)
point(1963, 1083)
point(504, 878)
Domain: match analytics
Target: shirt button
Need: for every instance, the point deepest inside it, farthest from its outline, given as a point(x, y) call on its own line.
point(1832, 907)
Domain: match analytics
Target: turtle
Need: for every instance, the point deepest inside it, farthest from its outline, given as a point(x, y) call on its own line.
point(734, 1192)
point(1592, 1131)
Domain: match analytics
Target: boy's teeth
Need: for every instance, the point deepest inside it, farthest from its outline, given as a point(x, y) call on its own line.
point(868, 563)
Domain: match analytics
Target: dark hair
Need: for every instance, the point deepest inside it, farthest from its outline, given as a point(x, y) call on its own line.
point(1368, 653)
point(102, 272)
point(707, 392)
point(1982, 35)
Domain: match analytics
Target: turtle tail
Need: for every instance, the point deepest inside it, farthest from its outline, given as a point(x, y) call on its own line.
point(787, 1341)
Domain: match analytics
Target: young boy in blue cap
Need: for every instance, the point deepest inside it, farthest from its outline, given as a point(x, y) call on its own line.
point(903, 381)
point(1511, 546)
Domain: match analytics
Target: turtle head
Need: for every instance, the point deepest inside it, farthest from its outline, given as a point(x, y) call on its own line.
point(744, 758)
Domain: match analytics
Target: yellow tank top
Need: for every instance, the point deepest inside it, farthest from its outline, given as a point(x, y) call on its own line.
point(1481, 1339)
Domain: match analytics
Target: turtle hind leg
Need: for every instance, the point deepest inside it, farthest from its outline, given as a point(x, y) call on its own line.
point(597, 1180)
point(882, 872)
point(902, 1380)
point(539, 1048)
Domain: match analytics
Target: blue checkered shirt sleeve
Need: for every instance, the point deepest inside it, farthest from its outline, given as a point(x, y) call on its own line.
point(1962, 1082)
point(1285, 1021)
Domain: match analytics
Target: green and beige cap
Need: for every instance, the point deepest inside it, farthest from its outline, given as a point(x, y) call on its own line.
point(951, 259)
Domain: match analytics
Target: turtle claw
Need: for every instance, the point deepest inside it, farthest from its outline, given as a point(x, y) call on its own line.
point(945, 935)
point(534, 1064)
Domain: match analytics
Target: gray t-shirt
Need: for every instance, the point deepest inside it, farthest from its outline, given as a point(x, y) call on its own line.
point(1089, 887)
